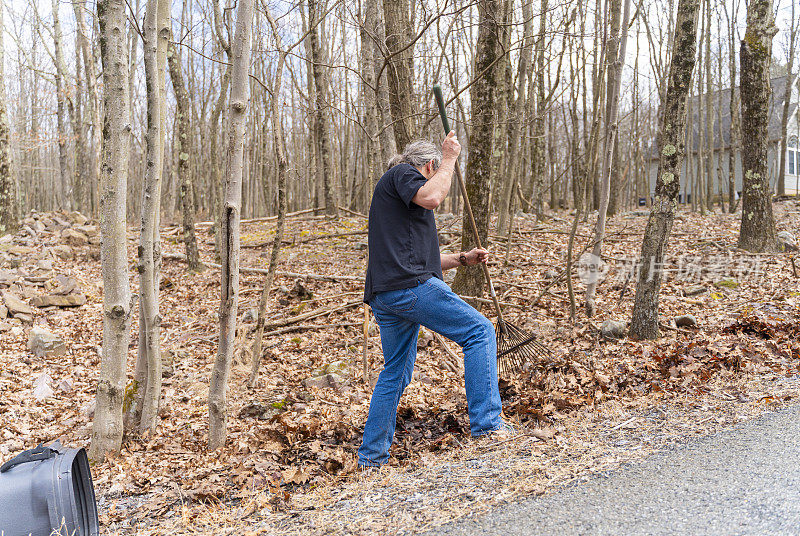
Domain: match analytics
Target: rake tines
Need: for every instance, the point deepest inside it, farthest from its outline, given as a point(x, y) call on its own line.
point(515, 347)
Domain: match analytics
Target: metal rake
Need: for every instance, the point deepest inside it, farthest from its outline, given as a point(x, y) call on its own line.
point(515, 347)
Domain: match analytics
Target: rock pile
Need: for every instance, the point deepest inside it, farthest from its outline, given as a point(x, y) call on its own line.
point(28, 280)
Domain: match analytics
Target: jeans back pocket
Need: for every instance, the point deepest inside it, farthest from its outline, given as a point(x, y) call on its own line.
point(401, 301)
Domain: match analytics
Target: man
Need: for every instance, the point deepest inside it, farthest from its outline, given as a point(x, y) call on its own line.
point(404, 288)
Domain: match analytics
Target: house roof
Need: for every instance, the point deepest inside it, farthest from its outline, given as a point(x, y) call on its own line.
point(721, 104)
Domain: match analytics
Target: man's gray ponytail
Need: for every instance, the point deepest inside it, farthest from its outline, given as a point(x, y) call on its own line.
point(418, 153)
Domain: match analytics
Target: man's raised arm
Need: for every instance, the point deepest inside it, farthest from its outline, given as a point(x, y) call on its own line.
point(433, 192)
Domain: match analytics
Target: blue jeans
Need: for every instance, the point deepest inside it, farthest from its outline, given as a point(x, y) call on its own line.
point(399, 314)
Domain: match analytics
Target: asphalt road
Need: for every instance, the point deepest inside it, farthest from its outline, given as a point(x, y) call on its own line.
point(745, 480)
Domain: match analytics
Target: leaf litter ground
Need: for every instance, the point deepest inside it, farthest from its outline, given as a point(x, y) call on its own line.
point(288, 465)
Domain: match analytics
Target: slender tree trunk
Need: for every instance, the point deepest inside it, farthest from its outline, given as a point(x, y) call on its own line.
point(516, 118)
point(369, 90)
point(469, 279)
point(615, 52)
point(148, 394)
point(8, 185)
point(107, 425)
point(734, 131)
point(538, 158)
point(709, 117)
point(281, 169)
point(81, 172)
point(787, 94)
point(504, 91)
point(758, 226)
point(87, 56)
point(671, 145)
point(400, 67)
point(216, 169)
point(184, 149)
point(65, 182)
point(388, 143)
point(234, 164)
point(321, 124)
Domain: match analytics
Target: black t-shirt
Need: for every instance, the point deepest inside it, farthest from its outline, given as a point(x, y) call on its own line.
point(403, 244)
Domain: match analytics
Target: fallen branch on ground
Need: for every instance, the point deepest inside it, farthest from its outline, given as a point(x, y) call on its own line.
point(308, 327)
point(244, 269)
point(312, 314)
point(451, 364)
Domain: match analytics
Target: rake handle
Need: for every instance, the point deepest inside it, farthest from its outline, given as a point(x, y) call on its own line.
point(437, 92)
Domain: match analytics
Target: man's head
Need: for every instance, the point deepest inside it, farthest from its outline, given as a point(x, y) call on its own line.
point(422, 154)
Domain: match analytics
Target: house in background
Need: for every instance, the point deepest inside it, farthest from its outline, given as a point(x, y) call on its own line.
point(697, 154)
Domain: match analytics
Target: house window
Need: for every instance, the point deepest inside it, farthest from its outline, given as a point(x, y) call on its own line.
point(792, 160)
point(793, 157)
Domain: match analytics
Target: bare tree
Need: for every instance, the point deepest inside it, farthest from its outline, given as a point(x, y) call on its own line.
point(279, 146)
point(671, 140)
point(399, 65)
point(148, 365)
point(469, 279)
point(79, 6)
point(757, 232)
point(733, 105)
point(787, 94)
point(8, 188)
point(234, 163)
point(615, 52)
point(516, 118)
point(321, 122)
point(107, 425)
point(185, 144)
point(65, 182)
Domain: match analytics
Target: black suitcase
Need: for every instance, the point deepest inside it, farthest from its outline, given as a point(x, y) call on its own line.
point(48, 491)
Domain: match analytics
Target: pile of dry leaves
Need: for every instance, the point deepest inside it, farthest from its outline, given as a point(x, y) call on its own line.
point(297, 431)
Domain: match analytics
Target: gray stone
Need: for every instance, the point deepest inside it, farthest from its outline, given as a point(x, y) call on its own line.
point(612, 329)
point(44, 264)
point(44, 343)
point(685, 321)
point(250, 315)
point(20, 251)
point(66, 285)
point(336, 367)
point(787, 241)
point(15, 305)
point(77, 218)
point(7, 278)
point(694, 290)
point(60, 223)
point(22, 317)
point(64, 252)
point(258, 410)
point(424, 338)
point(74, 238)
point(88, 230)
point(59, 300)
point(333, 381)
